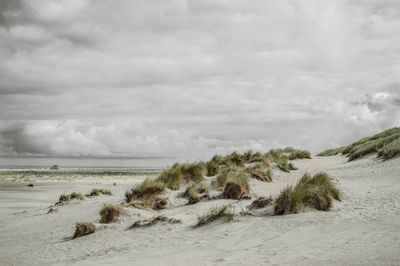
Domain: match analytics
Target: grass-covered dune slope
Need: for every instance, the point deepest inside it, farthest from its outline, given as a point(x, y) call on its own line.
point(232, 173)
point(386, 144)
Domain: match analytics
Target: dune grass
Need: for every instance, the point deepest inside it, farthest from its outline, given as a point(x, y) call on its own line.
point(297, 154)
point(98, 192)
point(149, 187)
point(148, 194)
point(215, 214)
point(315, 192)
point(110, 213)
point(150, 222)
point(83, 229)
point(386, 144)
point(195, 192)
point(390, 150)
point(235, 183)
point(178, 174)
point(236, 186)
point(67, 197)
point(261, 202)
point(262, 175)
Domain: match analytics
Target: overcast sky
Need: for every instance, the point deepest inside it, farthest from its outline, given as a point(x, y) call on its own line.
point(193, 78)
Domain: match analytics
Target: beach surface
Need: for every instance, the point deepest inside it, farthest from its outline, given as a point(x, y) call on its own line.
point(362, 229)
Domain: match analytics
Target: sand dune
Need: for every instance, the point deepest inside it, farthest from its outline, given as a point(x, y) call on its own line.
point(362, 229)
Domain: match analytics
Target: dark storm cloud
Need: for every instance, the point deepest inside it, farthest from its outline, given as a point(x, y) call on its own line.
point(191, 78)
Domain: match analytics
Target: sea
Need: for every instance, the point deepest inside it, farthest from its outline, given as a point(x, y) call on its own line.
point(82, 163)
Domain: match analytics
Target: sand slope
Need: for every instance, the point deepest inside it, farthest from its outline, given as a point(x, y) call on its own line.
point(362, 229)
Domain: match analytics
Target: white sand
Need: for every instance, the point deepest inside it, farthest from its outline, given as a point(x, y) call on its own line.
point(362, 229)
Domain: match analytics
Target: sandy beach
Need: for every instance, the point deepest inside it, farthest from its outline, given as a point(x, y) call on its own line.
point(362, 229)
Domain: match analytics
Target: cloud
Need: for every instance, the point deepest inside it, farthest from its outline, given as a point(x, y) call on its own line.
point(203, 77)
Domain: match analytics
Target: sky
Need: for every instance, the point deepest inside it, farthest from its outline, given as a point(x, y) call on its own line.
point(188, 78)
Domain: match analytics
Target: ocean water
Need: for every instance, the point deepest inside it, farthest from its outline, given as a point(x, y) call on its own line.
point(85, 163)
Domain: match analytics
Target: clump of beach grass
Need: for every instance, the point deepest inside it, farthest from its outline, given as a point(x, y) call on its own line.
point(261, 202)
point(110, 213)
point(299, 154)
point(262, 175)
point(150, 222)
point(67, 197)
point(98, 192)
point(215, 214)
point(178, 174)
point(315, 192)
point(148, 194)
point(235, 183)
point(83, 229)
point(195, 192)
point(237, 188)
point(149, 187)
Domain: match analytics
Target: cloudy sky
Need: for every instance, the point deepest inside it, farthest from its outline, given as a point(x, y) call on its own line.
point(192, 78)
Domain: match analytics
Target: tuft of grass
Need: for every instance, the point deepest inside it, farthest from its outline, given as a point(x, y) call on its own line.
point(150, 222)
point(262, 175)
point(283, 164)
point(297, 154)
point(316, 192)
point(65, 197)
point(195, 192)
point(235, 159)
point(288, 201)
point(147, 194)
point(75, 195)
point(235, 183)
point(98, 192)
point(323, 181)
point(178, 174)
point(149, 187)
point(260, 202)
point(83, 229)
point(215, 214)
point(237, 188)
point(386, 144)
point(110, 213)
point(172, 178)
point(212, 168)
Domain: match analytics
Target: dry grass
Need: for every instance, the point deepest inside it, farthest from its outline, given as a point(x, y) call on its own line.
point(150, 222)
point(110, 213)
point(65, 197)
point(262, 175)
point(149, 187)
point(98, 192)
point(315, 192)
point(261, 202)
point(235, 183)
point(83, 229)
point(195, 192)
point(298, 154)
point(178, 174)
point(147, 194)
point(215, 214)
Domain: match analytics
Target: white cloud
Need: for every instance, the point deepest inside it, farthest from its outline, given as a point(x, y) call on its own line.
point(195, 75)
